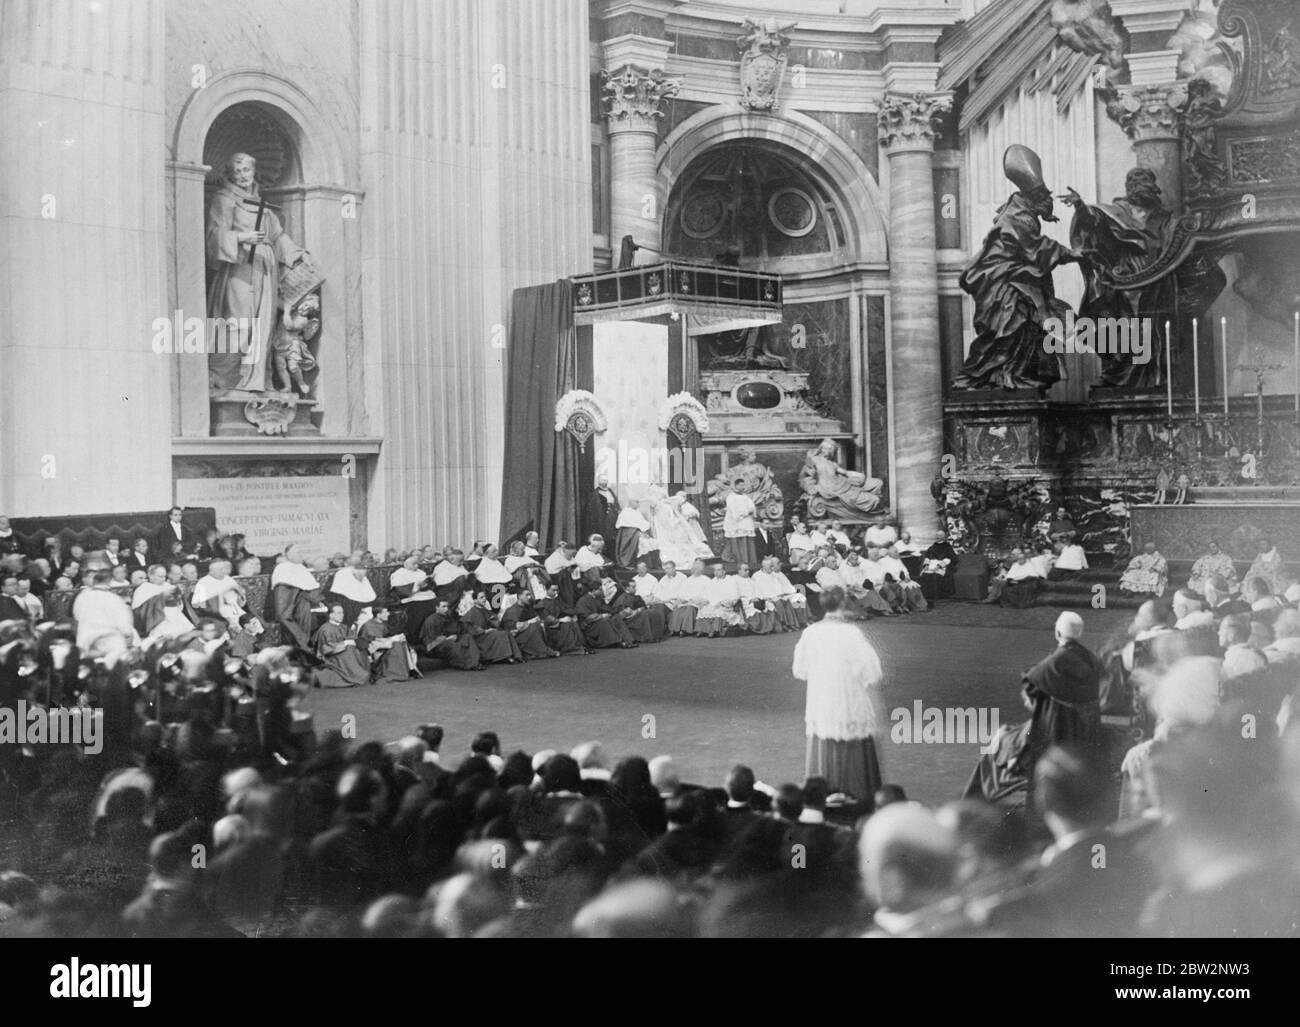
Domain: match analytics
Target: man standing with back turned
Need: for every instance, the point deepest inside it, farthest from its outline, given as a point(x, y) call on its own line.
point(844, 710)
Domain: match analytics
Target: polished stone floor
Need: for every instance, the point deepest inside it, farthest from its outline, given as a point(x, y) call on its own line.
point(711, 703)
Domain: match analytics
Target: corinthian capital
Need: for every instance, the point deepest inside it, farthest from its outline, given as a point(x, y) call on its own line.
point(633, 96)
point(909, 121)
point(1148, 112)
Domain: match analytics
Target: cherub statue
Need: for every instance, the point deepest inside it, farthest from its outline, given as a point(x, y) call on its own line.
point(292, 359)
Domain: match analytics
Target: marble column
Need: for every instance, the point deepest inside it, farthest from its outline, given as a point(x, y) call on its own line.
point(190, 414)
point(634, 89)
point(1152, 116)
point(907, 133)
point(481, 188)
point(86, 421)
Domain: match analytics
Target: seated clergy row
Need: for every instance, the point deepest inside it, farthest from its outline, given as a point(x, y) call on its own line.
point(605, 614)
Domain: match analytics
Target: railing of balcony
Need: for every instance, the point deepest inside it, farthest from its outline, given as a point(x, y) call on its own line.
point(676, 281)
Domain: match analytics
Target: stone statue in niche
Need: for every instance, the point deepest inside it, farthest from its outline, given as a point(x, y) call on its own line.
point(1011, 281)
point(251, 256)
point(831, 491)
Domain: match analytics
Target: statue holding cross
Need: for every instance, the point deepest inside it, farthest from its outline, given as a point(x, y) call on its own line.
point(250, 252)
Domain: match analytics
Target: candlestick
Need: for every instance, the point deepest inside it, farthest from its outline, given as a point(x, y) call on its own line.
point(1169, 376)
point(1196, 362)
point(1223, 343)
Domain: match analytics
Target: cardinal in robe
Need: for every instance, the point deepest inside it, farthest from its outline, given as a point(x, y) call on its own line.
point(449, 576)
point(787, 590)
point(562, 570)
point(634, 541)
point(409, 585)
point(343, 664)
point(721, 609)
point(647, 590)
point(351, 589)
point(767, 590)
point(491, 571)
point(391, 659)
point(759, 616)
point(1215, 563)
point(671, 590)
point(294, 591)
point(591, 560)
point(561, 623)
point(495, 645)
point(443, 638)
point(218, 595)
point(523, 622)
point(526, 572)
point(1148, 572)
point(155, 607)
point(601, 628)
point(896, 571)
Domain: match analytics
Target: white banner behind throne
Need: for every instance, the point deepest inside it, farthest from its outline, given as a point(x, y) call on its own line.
point(630, 377)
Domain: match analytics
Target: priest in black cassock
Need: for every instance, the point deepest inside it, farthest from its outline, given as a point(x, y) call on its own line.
point(523, 621)
point(601, 626)
point(561, 623)
point(443, 638)
point(632, 610)
point(495, 645)
point(1063, 693)
point(600, 516)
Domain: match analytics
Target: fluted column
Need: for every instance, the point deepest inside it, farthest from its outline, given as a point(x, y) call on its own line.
point(634, 89)
point(1152, 116)
point(907, 133)
point(86, 420)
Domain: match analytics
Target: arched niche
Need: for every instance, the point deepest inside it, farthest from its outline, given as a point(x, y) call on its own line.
point(301, 172)
point(832, 175)
point(756, 200)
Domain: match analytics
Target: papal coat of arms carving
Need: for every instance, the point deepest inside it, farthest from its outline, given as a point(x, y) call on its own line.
point(762, 63)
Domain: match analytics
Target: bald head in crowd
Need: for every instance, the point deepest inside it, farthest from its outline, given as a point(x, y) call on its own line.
point(1069, 627)
point(907, 857)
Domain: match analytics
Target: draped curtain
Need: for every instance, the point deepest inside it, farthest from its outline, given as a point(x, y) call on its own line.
point(541, 490)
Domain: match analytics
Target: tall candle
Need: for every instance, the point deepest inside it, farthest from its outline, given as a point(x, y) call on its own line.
point(1223, 345)
point(1169, 377)
point(1196, 361)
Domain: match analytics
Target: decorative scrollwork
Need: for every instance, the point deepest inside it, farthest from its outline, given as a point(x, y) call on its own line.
point(683, 415)
point(580, 414)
